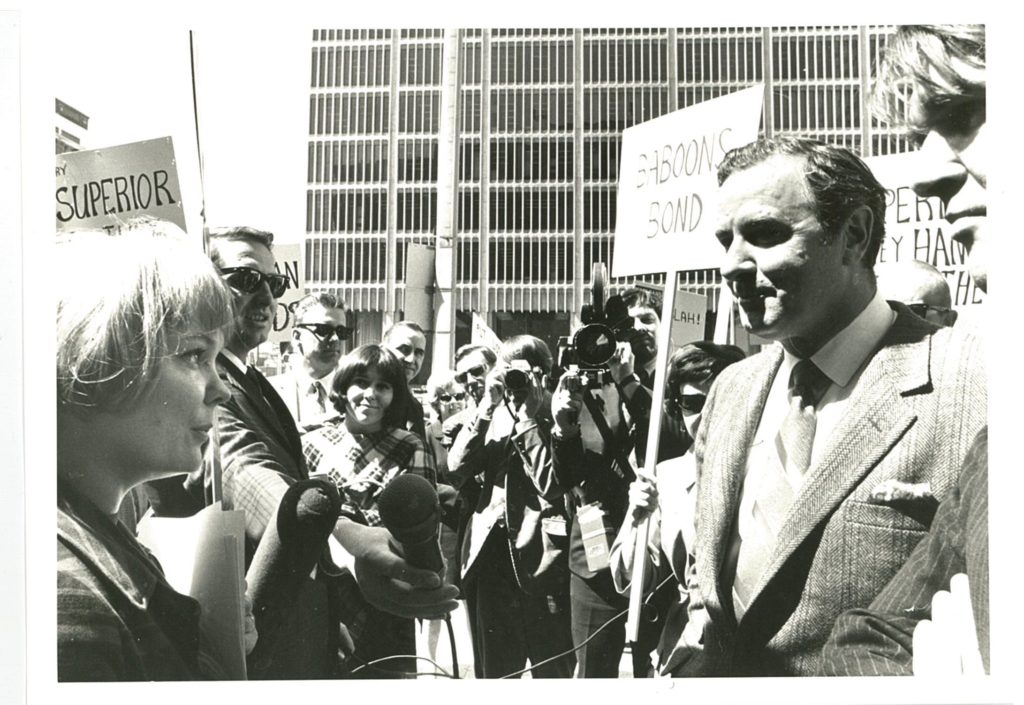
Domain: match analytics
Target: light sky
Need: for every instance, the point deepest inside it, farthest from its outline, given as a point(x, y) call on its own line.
point(253, 104)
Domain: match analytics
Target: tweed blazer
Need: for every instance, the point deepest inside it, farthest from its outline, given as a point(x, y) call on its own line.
point(879, 641)
point(261, 450)
point(912, 417)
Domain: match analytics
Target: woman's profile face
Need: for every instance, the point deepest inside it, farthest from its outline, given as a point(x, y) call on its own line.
point(167, 430)
point(367, 398)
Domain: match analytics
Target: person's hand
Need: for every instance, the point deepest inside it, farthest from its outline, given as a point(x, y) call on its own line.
point(948, 643)
point(621, 363)
point(643, 498)
point(567, 401)
point(531, 401)
point(494, 392)
point(389, 583)
point(251, 636)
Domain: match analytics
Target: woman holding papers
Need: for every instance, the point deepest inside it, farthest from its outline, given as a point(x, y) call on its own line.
point(140, 320)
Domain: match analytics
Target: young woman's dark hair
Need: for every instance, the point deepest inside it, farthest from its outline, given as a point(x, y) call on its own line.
point(389, 368)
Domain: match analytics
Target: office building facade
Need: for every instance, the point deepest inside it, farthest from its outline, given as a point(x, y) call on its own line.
point(499, 149)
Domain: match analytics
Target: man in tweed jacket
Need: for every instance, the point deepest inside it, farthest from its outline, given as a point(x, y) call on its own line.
point(900, 403)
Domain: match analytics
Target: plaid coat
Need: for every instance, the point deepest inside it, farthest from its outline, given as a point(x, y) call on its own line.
point(117, 618)
point(912, 417)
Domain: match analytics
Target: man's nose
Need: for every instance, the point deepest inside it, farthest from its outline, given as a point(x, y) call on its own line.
point(937, 170)
point(737, 261)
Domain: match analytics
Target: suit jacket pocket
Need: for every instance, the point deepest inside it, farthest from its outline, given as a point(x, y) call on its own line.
point(877, 540)
point(540, 552)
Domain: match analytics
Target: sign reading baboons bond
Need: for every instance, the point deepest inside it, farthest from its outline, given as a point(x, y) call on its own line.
point(916, 229)
point(665, 209)
point(107, 188)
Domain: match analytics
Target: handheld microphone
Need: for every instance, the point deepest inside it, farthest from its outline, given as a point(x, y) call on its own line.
point(292, 543)
point(410, 510)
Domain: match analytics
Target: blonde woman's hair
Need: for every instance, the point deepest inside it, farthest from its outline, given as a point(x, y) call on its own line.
point(121, 301)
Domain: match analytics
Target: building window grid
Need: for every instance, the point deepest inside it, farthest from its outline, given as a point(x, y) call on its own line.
point(825, 109)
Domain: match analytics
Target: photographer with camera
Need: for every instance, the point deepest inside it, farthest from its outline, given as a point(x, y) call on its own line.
point(513, 560)
point(601, 410)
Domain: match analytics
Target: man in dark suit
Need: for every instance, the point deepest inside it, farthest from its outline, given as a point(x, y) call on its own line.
point(802, 445)
point(261, 456)
point(946, 68)
point(514, 569)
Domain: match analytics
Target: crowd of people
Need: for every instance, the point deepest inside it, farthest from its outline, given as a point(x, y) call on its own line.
point(809, 501)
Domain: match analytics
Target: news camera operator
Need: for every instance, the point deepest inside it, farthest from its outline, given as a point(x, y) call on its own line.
point(513, 559)
point(598, 463)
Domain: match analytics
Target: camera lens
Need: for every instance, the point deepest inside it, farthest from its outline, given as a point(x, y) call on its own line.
point(516, 380)
point(595, 344)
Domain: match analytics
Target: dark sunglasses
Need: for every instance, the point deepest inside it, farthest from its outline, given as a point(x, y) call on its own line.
point(477, 371)
point(248, 280)
point(324, 331)
point(692, 403)
point(457, 396)
point(921, 311)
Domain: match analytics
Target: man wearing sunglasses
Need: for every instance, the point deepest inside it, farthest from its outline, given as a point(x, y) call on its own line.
point(318, 335)
point(921, 287)
point(261, 457)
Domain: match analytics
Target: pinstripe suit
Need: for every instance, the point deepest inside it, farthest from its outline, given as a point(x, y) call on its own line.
point(911, 416)
point(879, 641)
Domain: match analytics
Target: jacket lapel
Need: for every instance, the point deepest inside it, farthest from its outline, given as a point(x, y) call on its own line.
point(746, 399)
point(260, 399)
point(874, 422)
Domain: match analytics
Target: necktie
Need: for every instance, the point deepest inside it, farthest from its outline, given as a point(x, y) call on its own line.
point(807, 384)
point(317, 391)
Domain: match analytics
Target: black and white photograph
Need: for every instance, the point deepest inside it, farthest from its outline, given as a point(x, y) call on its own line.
point(437, 346)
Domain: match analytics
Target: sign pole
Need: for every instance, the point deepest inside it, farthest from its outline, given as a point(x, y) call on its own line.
point(636, 588)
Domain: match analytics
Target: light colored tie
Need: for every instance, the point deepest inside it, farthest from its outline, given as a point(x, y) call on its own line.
point(807, 384)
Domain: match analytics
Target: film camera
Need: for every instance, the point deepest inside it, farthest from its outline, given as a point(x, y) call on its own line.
point(517, 376)
point(605, 324)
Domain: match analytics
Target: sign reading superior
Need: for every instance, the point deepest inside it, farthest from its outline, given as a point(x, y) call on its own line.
point(107, 188)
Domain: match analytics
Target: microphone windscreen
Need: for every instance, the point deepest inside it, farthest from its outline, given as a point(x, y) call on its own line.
point(408, 500)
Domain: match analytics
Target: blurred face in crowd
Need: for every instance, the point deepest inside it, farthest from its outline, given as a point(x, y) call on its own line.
point(450, 400)
point(254, 311)
point(952, 162)
point(471, 371)
point(645, 324)
point(166, 431)
point(366, 401)
point(789, 276)
point(692, 398)
point(318, 336)
point(410, 346)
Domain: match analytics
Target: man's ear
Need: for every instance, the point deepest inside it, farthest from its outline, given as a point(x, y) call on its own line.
point(857, 234)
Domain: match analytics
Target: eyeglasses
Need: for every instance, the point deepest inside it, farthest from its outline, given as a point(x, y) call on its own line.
point(248, 280)
point(948, 316)
point(477, 371)
point(692, 403)
point(324, 331)
point(457, 396)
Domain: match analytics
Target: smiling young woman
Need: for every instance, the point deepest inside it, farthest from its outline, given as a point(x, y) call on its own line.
point(362, 451)
point(136, 393)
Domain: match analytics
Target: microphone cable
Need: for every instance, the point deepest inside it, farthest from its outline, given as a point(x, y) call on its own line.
point(583, 643)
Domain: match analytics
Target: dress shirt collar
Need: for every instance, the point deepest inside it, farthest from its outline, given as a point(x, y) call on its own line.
point(239, 364)
point(846, 352)
point(304, 380)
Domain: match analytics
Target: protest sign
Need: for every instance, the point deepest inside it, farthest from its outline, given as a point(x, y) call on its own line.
point(665, 208)
point(287, 261)
point(916, 229)
point(482, 334)
point(106, 188)
point(689, 317)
